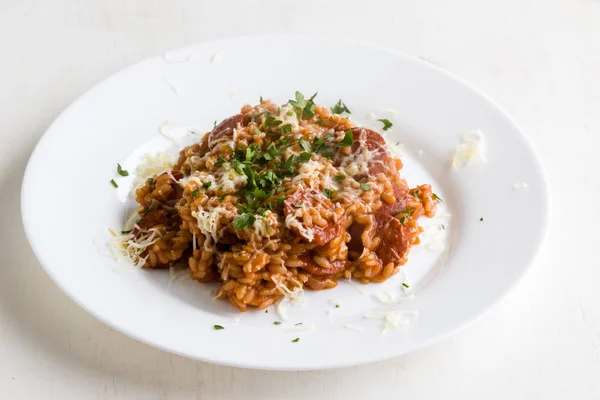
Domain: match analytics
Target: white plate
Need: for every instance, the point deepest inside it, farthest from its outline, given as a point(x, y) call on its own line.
point(68, 204)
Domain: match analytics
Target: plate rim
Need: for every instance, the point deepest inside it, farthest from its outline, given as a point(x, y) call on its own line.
point(525, 270)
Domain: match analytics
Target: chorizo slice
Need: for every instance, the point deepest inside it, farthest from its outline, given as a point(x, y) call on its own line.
point(399, 205)
point(323, 267)
point(302, 207)
point(224, 130)
point(381, 160)
point(388, 238)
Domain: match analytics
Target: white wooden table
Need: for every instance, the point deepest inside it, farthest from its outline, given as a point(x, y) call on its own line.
point(540, 59)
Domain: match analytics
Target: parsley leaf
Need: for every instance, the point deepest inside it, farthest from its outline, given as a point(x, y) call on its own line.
point(206, 185)
point(305, 157)
point(112, 182)
point(283, 129)
point(406, 285)
point(296, 340)
point(217, 327)
point(276, 323)
point(305, 145)
point(386, 123)
point(121, 171)
point(300, 102)
point(365, 187)
point(246, 220)
point(150, 181)
point(220, 161)
point(340, 107)
point(348, 139)
point(126, 232)
point(195, 193)
point(328, 193)
point(339, 177)
point(435, 196)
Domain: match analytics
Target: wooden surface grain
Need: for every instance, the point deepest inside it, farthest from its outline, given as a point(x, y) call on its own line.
point(539, 59)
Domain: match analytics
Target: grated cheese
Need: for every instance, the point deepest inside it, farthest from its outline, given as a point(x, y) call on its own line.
point(392, 320)
point(295, 297)
point(208, 221)
point(152, 164)
point(471, 150)
point(354, 327)
point(128, 249)
point(302, 328)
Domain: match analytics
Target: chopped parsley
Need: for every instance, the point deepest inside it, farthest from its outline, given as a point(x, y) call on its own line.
point(195, 192)
point(299, 205)
point(365, 187)
point(305, 157)
point(256, 131)
point(271, 121)
point(386, 123)
point(306, 108)
point(337, 306)
point(121, 171)
point(126, 232)
point(266, 311)
point(319, 122)
point(206, 185)
point(296, 340)
point(406, 285)
point(246, 220)
point(340, 107)
point(348, 139)
point(298, 324)
point(112, 182)
point(481, 219)
point(328, 193)
point(276, 323)
point(283, 129)
point(218, 327)
point(261, 99)
point(416, 195)
point(150, 181)
point(220, 161)
point(147, 210)
point(443, 226)
point(339, 177)
point(438, 198)
point(305, 145)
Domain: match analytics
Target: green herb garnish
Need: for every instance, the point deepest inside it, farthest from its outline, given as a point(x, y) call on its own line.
point(348, 139)
point(206, 185)
point(328, 193)
point(386, 123)
point(112, 182)
point(405, 285)
point(276, 323)
point(339, 108)
point(481, 219)
point(195, 193)
point(244, 221)
point(296, 340)
point(365, 187)
point(339, 177)
point(121, 171)
point(217, 327)
point(220, 161)
point(150, 181)
point(435, 196)
point(126, 232)
point(305, 157)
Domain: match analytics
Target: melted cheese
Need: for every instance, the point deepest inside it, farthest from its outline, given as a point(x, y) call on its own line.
point(291, 221)
point(471, 150)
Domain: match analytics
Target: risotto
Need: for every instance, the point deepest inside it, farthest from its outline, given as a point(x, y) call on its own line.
point(276, 199)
